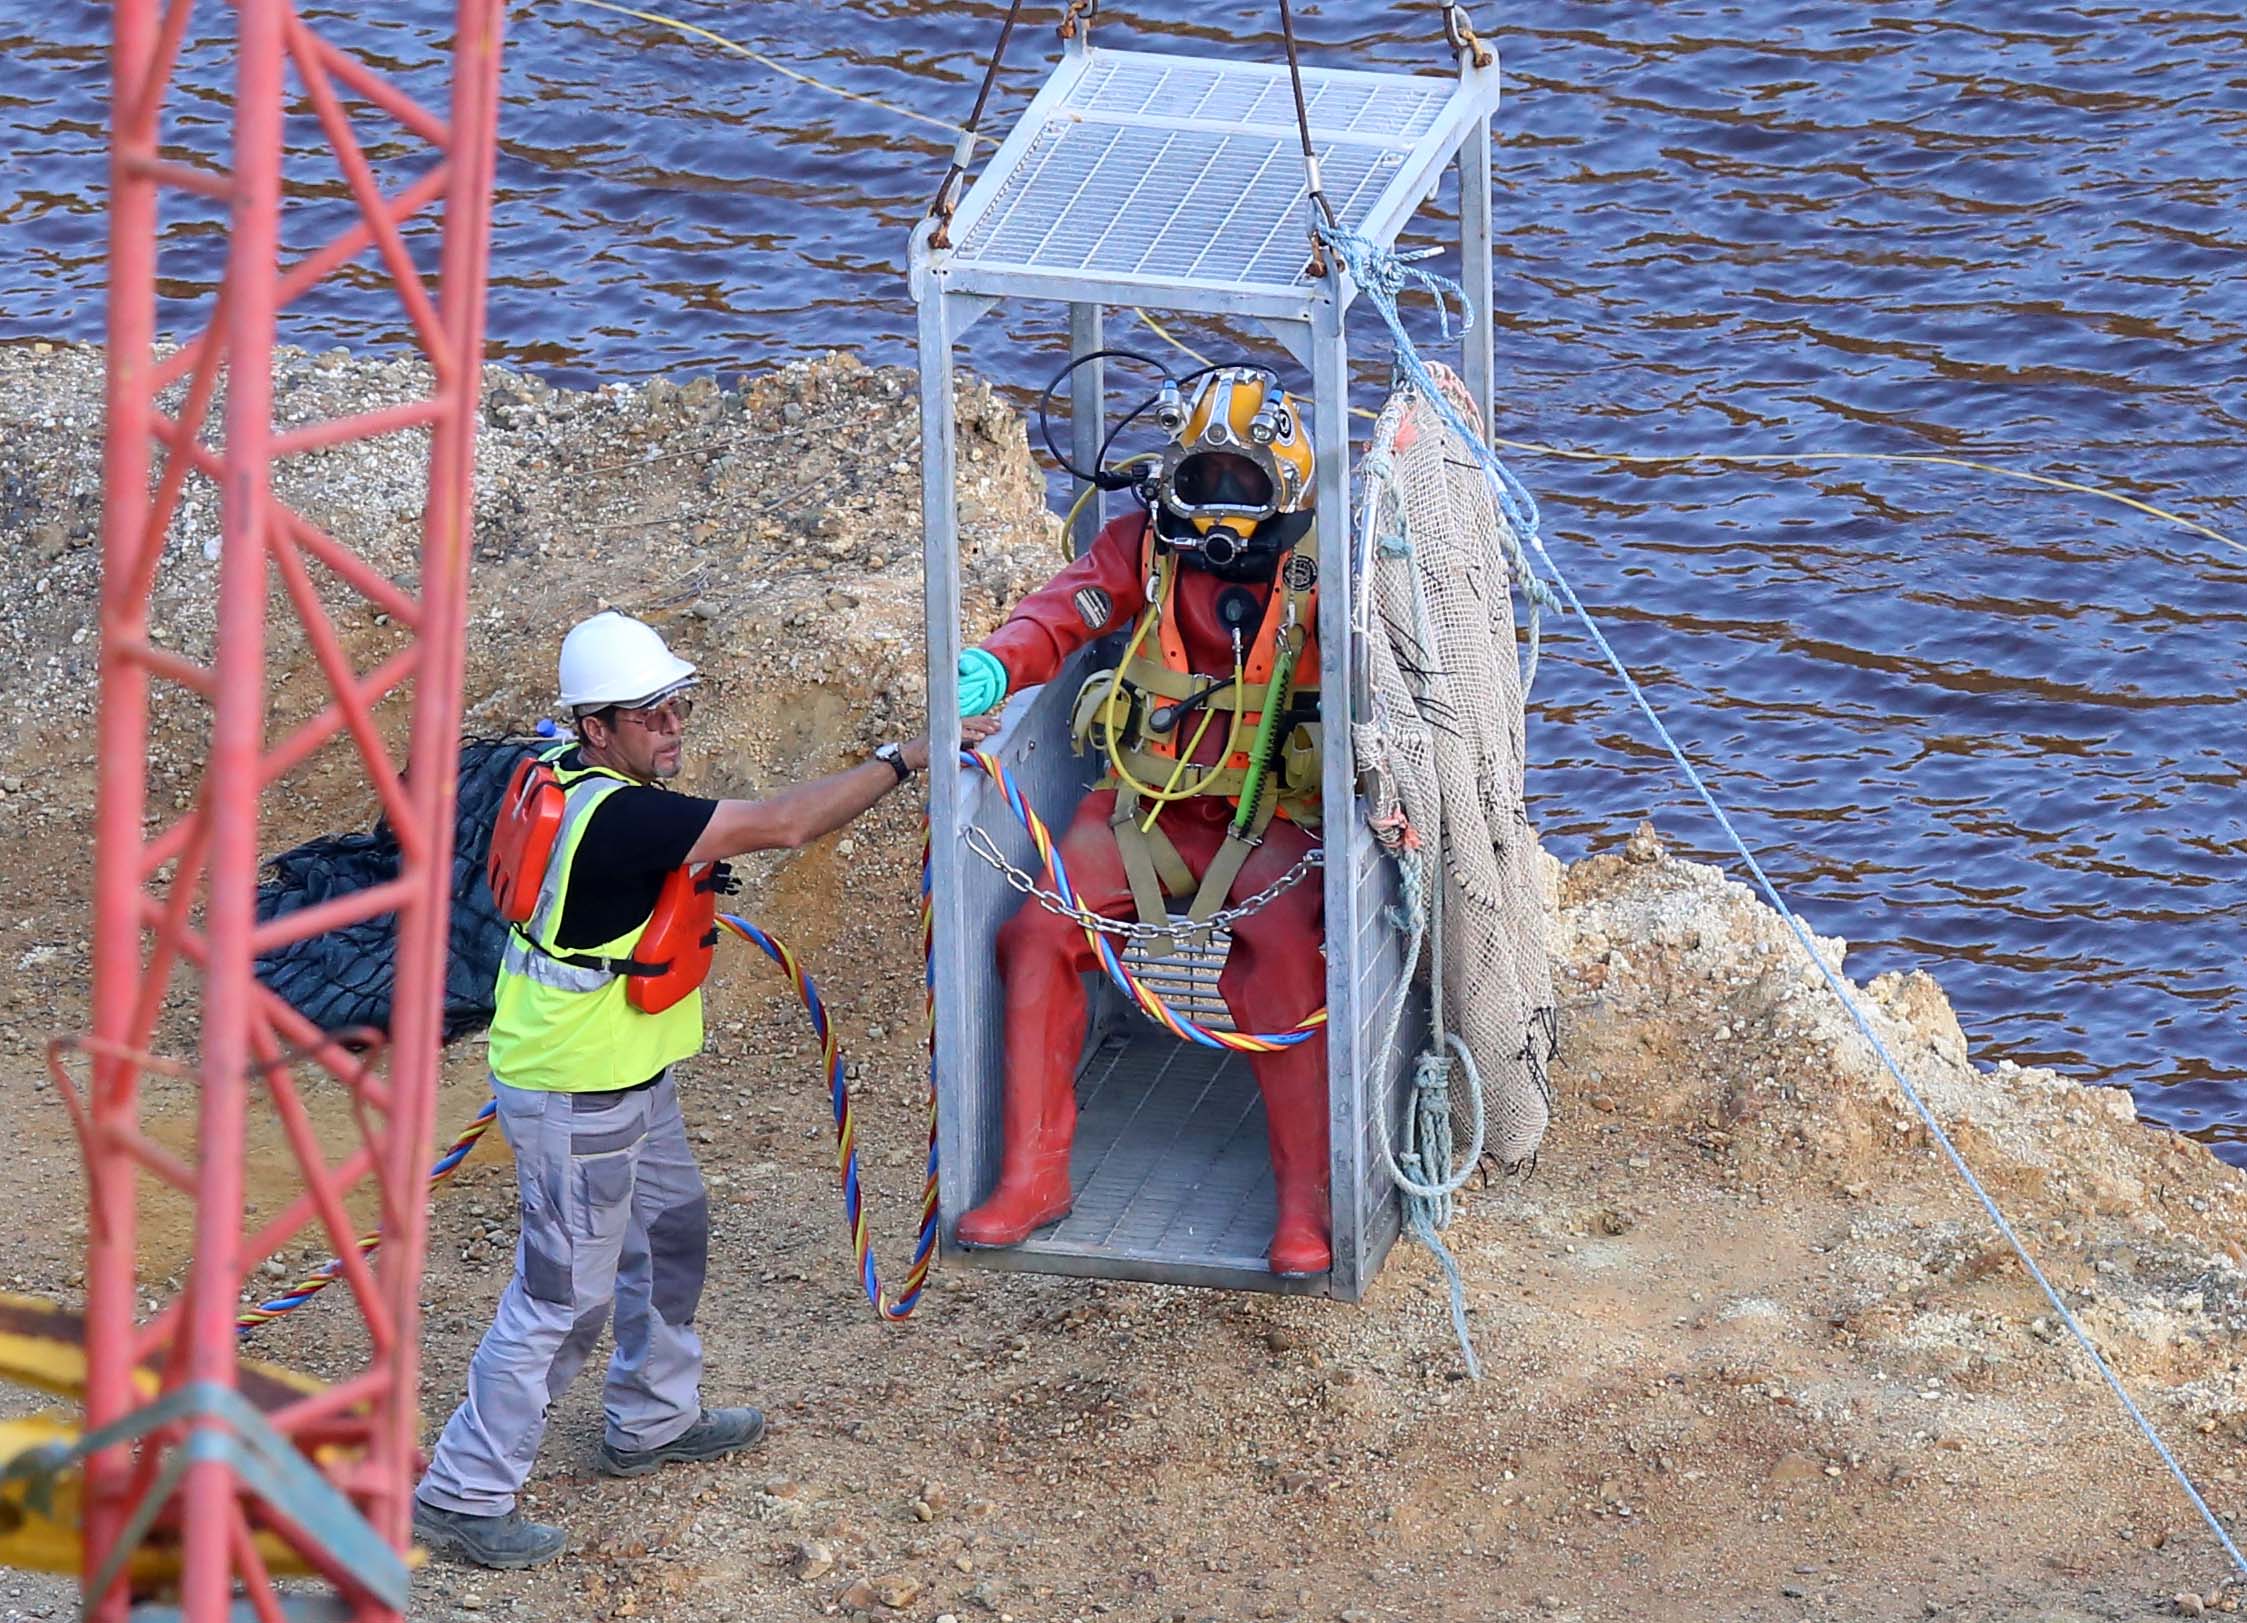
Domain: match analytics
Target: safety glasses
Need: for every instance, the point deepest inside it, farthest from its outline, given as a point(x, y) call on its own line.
point(664, 716)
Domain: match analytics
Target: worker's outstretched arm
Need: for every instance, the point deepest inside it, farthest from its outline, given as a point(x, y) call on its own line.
point(803, 812)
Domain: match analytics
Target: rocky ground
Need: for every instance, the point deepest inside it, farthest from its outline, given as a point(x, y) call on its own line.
point(1750, 1349)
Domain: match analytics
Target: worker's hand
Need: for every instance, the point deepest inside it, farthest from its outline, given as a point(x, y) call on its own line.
point(982, 681)
point(973, 731)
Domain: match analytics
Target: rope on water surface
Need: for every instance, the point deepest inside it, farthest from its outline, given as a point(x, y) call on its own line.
point(1782, 459)
point(1658, 459)
point(1382, 277)
point(785, 71)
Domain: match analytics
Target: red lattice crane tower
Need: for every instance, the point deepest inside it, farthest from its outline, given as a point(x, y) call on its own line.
point(199, 1466)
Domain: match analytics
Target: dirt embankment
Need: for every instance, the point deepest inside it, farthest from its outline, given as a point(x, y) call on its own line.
point(1751, 1352)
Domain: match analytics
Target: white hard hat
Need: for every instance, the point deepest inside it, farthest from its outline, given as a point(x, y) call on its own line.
point(615, 659)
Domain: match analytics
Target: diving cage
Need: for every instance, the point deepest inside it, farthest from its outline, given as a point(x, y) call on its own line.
point(1177, 184)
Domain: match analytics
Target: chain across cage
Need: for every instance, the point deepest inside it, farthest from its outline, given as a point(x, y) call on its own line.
point(1182, 962)
point(1137, 932)
point(1178, 1022)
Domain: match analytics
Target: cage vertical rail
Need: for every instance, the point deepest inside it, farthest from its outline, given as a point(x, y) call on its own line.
point(201, 1467)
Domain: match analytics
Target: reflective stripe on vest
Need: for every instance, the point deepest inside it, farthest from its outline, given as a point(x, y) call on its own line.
point(519, 957)
point(567, 1026)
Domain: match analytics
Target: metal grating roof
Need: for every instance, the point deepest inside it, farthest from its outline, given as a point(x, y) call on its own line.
point(1182, 170)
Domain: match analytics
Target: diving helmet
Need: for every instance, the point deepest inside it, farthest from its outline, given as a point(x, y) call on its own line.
point(1235, 484)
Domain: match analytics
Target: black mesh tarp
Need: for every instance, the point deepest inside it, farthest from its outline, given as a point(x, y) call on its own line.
point(343, 978)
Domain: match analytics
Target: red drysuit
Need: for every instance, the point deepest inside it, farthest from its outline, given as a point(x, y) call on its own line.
point(1273, 978)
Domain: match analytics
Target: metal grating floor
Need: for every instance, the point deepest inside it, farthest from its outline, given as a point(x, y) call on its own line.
point(1172, 1175)
point(1186, 170)
point(1187, 977)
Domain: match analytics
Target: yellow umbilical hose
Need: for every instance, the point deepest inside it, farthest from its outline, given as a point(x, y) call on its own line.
point(1170, 792)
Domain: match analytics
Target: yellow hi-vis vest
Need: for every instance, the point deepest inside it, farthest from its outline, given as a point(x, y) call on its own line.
point(567, 1027)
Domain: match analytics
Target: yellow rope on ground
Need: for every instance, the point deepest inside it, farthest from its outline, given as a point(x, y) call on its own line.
point(1753, 459)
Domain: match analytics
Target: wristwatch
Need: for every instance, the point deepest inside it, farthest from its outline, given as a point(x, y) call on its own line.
point(893, 755)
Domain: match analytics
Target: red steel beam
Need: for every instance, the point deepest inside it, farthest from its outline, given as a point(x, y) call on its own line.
point(208, 1492)
point(138, 70)
point(304, 51)
point(204, 916)
point(448, 529)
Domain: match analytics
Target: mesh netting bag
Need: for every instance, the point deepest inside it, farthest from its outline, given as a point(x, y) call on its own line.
point(1444, 752)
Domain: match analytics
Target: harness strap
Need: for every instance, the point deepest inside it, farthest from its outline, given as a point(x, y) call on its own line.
point(1151, 864)
point(1153, 676)
point(567, 971)
point(1232, 856)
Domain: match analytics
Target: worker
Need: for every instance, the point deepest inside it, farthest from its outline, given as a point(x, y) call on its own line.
point(1203, 803)
point(598, 1001)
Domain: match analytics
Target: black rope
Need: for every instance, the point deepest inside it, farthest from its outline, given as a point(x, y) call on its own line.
point(1310, 153)
point(940, 207)
point(1085, 476)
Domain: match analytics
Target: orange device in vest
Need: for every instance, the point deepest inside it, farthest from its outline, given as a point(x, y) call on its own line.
point(530, 818)
point(672, 956)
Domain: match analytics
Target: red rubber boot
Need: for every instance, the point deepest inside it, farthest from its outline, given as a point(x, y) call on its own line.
point(1042, 959)
point(1295, 1120)
point(1038, 1110)
point(1033, 1187)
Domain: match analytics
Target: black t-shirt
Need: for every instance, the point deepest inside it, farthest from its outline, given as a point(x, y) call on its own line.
point(636, 835)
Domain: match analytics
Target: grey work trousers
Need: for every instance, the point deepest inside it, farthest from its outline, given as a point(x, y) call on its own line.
point(613, 1214)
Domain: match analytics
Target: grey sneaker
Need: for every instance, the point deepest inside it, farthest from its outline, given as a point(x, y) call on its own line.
point(718, 1432)
point(505, 1542)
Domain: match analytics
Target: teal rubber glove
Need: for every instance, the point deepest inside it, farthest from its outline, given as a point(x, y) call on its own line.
point(982, 681)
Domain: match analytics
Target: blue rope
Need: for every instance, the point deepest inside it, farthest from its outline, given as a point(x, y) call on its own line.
point(1428, 1214)
point(1382, 276)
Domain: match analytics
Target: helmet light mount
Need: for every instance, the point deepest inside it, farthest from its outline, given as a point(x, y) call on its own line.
point(1232, 486)
point(1239, 459)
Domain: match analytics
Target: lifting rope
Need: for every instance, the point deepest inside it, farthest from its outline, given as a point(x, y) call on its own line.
point(963, 152)
point(1382, 275)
